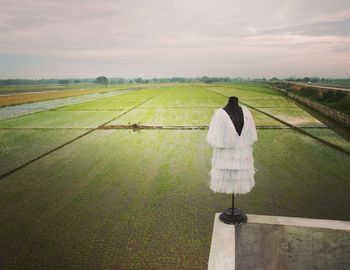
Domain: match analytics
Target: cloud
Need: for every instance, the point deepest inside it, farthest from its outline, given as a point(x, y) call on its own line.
point(157, 38)
point(335, 28)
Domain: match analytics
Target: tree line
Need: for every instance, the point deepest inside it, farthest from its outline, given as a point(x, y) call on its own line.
point(203, 79)
point(120, 80)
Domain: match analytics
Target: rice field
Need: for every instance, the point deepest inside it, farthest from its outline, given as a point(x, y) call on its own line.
point(12, 95)
point(77, 195)
point(15, 110)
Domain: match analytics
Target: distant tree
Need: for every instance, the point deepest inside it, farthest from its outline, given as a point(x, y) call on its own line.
point(102, 80)
point(207, 79)
point(305, 79)
point(120, 80)
point(315, 79)
point(204, 79)
point(163, 80)
point(76, 81)
point(65, 82)
point(155, 80)
point(290, 78)
point(138, 80)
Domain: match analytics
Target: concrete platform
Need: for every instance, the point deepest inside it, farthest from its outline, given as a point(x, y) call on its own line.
point(275, 242)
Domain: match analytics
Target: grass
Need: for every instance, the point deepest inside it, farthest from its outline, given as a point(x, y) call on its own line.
point(123, 199)
point(329, 136)
point(115, 103)
point(295, 116)
point(61, 119)
point(167, 116)
point(16, 148)
point(248, 92)
point(186, 97)
point(270, 103)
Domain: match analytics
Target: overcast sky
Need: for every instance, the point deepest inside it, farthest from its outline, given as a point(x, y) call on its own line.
point(163, 38)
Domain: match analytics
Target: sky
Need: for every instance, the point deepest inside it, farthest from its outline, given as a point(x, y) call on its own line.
point(163, 38)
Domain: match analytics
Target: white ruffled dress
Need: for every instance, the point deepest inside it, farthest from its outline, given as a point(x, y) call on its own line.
point(232, 161)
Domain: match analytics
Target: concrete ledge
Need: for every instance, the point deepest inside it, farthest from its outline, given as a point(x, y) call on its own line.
point(276, 242)
point(297, 221)
point(222, 248)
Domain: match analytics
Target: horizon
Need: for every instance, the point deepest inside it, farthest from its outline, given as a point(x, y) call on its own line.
point(152, 39)
point(170, 77)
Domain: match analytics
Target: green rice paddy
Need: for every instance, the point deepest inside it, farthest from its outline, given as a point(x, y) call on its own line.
point(139, 199)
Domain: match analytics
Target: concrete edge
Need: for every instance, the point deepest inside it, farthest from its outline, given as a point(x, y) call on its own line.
point(298, 221)
point(222, 248)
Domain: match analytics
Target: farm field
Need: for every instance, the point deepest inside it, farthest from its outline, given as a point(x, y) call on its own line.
point(78, 193)
point(11, 95)
point(15, 89)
